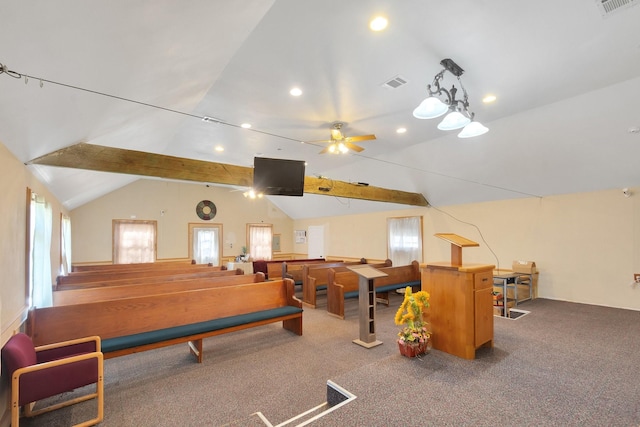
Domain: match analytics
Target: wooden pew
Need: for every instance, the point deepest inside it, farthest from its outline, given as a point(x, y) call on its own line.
point(79, 296)
point(202, 274)
point(65, 282)
point(131, 325)
point(343, 285)
point(315, 277)
point(274, 268)
point(293, 269)
point(140, 265)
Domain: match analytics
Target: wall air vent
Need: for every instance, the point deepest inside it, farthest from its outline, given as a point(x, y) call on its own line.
point(395, 82)
point(607, 7)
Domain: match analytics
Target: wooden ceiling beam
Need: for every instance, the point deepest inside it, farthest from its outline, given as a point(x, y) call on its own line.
point(117, 160)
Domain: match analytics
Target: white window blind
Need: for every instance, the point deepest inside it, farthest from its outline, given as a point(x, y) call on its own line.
point(260, 236)
point(134, 241)
point(404, 240)
point(206, 243)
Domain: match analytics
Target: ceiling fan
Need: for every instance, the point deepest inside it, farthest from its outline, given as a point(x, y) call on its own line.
point(340, 144)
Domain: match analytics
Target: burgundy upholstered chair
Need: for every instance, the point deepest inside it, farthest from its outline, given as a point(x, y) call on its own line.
point(40, 372)
point(260, 266)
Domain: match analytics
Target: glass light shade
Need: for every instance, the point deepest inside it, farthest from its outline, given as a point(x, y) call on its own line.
point(453, 120)
point(473, 129)
point(430, 108)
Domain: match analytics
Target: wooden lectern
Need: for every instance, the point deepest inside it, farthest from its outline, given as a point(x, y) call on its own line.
point(457, 243)
point(367, 304)
point(461, 301)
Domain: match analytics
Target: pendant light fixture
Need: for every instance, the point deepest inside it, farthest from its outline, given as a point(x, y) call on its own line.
point(442, 101)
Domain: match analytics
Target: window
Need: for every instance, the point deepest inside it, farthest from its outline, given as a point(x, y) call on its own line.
point(259, 236)
point(404, 237)
point(134, 241)
point(205, 243)
point(40, 292)
point(65, 244)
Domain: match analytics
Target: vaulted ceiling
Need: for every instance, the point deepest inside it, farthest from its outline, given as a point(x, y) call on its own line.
point(141, 75)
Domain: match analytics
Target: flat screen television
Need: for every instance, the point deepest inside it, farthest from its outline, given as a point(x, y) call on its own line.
point(278, 177)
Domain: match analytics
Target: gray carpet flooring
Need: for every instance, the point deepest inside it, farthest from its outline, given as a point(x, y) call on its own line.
point(563, 364)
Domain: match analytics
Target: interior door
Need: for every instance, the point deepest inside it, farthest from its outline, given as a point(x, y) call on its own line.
point(315, 241)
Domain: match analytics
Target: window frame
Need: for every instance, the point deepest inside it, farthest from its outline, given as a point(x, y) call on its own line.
point(270, 246)
point(114, 224)
point(420, 235)
point(193, 225)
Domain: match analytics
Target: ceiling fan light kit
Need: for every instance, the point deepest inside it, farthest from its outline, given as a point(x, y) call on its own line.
point(340, 144)
point(441, 101)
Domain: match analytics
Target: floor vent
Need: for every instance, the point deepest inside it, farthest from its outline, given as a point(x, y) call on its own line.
point(336, 398)
point(608, 7)
point(395, 82)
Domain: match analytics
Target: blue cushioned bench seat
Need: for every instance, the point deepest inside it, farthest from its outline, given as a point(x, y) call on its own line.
point(395, 286)
point(146, 338)
point(386, 288)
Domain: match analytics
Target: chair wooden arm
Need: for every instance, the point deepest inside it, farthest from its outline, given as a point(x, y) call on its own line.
point(70, 342)
point(64, 361)
point(28, 408)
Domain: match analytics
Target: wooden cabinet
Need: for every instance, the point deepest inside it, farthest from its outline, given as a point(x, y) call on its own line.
point(461, 307)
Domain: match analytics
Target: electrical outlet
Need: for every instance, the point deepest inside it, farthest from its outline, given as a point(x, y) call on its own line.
point(636, 277)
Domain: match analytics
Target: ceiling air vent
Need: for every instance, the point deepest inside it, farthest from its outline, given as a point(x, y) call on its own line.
point(395, 82)
point(607, 7)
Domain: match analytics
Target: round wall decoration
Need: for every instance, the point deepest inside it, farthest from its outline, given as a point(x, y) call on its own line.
point(206, 210)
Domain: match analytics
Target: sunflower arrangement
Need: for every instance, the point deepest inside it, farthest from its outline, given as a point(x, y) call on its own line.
point(412, 314)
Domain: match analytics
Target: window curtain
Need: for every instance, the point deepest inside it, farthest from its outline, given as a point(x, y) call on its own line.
point(260, 242)
point(65, 245)
point(41, 284)
point(205, 246)
point(405, 240)
point(134, 242)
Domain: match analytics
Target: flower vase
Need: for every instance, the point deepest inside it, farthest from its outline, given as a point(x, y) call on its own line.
point(412, 349)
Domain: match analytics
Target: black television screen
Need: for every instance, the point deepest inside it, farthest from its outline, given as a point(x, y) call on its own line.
point(279, 177)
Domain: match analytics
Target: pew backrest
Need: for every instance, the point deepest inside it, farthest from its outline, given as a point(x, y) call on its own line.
point(108, 279)
point(316, 276)
point(345, 284)
point(128, 316)
point(121, 267)
point(80, 296)
point(274, 267)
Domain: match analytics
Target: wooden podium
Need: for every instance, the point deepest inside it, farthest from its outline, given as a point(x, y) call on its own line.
point(457, 243)
point(367, 304)
point(461, 301)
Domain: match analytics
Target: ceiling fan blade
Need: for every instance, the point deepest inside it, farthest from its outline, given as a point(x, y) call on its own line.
point(325, 150)
point(360, 138)
point(353, 147)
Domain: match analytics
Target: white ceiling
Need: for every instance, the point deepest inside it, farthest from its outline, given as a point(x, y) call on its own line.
point(567, 80)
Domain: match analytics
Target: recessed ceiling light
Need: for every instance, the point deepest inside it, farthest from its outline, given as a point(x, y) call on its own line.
point(296, 91)
point(489, 99)
point(378, 23)
point(219, 148)
point(401, 130)
point(245, 125)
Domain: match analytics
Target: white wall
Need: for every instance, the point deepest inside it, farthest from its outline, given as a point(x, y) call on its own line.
point(586, 246)
point(14, 180)
point(91, 224)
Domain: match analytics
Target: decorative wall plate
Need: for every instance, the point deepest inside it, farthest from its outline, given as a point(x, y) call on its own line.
point(206, 210)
